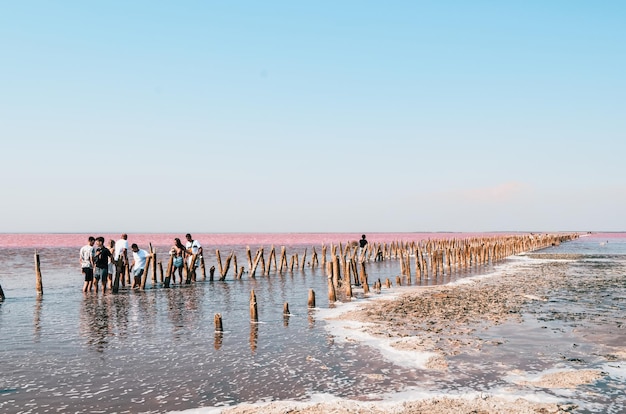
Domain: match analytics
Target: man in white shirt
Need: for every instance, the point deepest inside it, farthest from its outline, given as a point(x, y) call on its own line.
point(193, 247)
point(139, 263)
point(86, 263)
point(121, 248)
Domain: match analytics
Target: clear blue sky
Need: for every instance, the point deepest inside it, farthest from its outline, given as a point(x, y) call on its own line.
point(312, 116)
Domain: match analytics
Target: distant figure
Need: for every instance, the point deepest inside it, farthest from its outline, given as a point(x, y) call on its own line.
point(86, 263)
point(178, 252)
point(193, 247)
point(139, 264)
point(362, 242)
point(101, 259)
point(362, 245)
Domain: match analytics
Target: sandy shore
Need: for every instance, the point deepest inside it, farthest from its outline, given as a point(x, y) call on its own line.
point(443, 322)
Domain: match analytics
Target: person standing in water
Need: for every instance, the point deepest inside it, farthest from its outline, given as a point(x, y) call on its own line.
point(362, 248)
point(193, 247)
point(101, 260)
point(139, 264)
point(86, 263)
point(178, 252)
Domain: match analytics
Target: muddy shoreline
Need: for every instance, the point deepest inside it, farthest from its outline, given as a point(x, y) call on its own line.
point(448, 322)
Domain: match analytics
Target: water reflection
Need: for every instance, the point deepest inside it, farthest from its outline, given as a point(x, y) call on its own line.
point(217, 343)
point(37, 319)
point(254, 336)
point(94, 323)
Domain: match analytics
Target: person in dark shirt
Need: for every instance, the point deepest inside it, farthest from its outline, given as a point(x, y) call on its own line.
point(101, 260)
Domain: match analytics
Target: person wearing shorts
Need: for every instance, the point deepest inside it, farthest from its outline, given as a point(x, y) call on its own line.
point(86, 263)
point(178, 253)
point(102, 255)
point(139, 264)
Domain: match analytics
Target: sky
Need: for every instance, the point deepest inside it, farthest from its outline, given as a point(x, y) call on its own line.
point(312, 116)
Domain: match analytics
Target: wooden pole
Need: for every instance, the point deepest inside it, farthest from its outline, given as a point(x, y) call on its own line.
point(154, 268)
point(202, 267)
point(191, 271)
point(336, 271)
point(39, 282)
point(286, 309)
point(218, 322)
point(1, 294)
point(170, 266)
point(283, 259)
point(219, 262)
point(254, 314)
point(144, 277)
point(161, 271)
point(311, 302)
point(303, 260)
point(332, 297)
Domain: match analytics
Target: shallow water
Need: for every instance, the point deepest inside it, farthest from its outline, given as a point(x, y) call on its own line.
point(157, 350)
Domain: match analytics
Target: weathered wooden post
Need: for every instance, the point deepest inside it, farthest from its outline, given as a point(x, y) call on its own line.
point(398, 281)
point(219, 331)
point(286, 309)
point(39, 282)
point(212, 273)
point(218, 322)
point(144, 277)
point(202, 267)
point(219, 261)
point(1, 294)
point(249, 256)
point(348, 285)
point(168, 277)
point(161, 271)
point(388, 283)
point(257, 258)
point(254, 315)
point(154, 268)
point(332, 297)
point(311, 302)
point(283, 259)
point(227, 266)
point(191, 271)
point(303, 259)
point(336, 271)
point(271, 260)
point(314, 260)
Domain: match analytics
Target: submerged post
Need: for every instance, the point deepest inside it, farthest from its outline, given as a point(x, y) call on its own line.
point(311, 303)
point(218, 322)
point(254, 315)
point(38, 275)
point(1, 294)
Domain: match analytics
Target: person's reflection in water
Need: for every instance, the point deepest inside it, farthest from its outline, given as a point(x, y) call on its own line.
point(94, 322)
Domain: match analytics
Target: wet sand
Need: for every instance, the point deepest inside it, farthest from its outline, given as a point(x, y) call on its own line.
point(449, 325)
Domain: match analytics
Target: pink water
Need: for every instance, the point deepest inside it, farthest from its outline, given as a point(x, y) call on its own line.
point(222, 239)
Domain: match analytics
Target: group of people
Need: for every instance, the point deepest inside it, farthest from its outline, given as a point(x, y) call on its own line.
point(98, 262)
